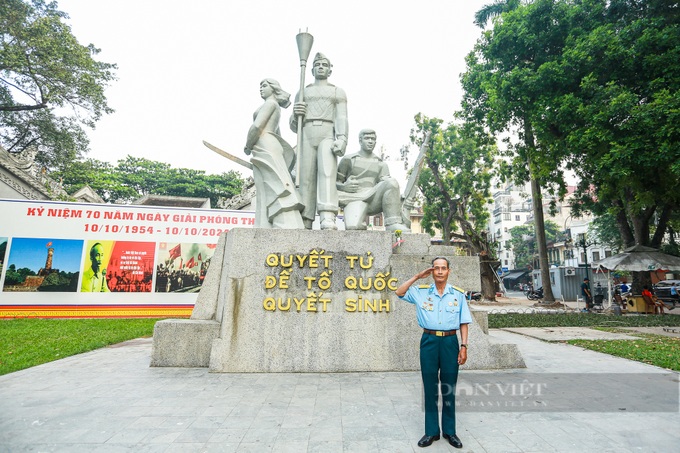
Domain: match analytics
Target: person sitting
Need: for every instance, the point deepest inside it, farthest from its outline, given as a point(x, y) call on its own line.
point(652, 302)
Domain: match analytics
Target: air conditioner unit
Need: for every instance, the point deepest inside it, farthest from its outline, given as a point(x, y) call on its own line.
point(569, 271)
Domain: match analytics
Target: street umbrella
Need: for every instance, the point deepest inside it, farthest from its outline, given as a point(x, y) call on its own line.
point(640, 258)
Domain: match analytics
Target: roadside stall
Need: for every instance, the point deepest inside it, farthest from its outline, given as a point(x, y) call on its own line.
point(637, 259)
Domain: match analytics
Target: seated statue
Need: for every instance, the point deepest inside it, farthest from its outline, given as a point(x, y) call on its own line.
point(365, 188)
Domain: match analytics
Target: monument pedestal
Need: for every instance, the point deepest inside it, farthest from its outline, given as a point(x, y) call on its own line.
point(316, 301)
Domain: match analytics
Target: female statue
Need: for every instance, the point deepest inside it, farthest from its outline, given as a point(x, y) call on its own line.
point(277, 202)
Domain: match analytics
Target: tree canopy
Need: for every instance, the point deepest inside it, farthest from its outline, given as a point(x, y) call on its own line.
point(455, 183)
point(134, 177)
point(523, 242)
point(592, 86)
point(50, 85)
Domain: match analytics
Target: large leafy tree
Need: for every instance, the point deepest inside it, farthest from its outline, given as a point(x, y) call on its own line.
point(455, 183)
point(134, 177)
point(503, 89)
point(621, 122)
point(50, 85)
point(593, 85)
point(523, 242)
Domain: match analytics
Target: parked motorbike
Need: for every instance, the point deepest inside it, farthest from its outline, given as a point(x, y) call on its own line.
point(535, 294)
point(473, 295)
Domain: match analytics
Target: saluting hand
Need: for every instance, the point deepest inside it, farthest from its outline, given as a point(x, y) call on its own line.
point(424, 274)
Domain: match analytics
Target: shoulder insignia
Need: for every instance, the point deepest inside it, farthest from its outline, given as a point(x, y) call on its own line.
point(459, 289)
point(423, 286)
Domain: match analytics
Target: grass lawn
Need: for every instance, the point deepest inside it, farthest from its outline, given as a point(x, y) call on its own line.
point(499, 321)
point(656, 350)
point(29, 342)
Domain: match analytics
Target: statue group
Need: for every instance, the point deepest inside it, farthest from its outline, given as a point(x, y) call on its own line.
point(360, 184)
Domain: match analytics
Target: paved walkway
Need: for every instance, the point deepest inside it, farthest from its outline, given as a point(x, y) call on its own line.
point(110, 400)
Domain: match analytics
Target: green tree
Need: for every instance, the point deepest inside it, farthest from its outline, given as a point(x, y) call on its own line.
point(524, 244)
point(592, 85)
point(15, 276)
point(621, 120)
point(50, 85)
point(605, 231)
point(493, 10)
point(134, 177)
point(59, 281)
point(455, 183)
point(101, 176)
point(503, 89)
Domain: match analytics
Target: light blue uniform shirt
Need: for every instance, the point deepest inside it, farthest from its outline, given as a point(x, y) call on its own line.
point(436, 312)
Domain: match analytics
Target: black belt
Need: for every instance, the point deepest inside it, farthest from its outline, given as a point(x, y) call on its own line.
point(440, 333)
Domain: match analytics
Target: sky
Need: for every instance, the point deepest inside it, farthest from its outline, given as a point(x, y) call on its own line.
point(190, 71)
point(32, 253)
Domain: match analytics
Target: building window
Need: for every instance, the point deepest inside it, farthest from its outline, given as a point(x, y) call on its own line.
point(596, 256)
point(506, 216)
point(517, 218)
point(505, 230)
point(607, 253)
point(377, 220)
point(507, 254)
point(583, 257)
point(506, 262)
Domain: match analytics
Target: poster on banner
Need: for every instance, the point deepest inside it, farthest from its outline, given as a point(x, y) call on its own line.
point(118, 266)
point(43, 265)
point(97, 254)
point(182, 266)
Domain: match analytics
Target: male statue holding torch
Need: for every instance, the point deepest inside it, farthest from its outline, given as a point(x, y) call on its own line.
point(324, 138)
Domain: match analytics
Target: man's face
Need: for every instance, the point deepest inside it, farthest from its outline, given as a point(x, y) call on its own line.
point(441, 271)
point(367, 142)
point(97, 256)
point(321, 69)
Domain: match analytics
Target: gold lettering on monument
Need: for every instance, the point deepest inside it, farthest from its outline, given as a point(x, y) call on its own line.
point(316, 284)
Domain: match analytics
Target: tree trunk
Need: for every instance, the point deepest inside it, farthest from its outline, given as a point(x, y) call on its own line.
point(488, 279)
point(539, 220)
point(541, 241)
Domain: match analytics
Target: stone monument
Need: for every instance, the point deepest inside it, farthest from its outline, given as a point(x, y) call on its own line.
point(315, 301)
point(365, 187)
point(295, 300)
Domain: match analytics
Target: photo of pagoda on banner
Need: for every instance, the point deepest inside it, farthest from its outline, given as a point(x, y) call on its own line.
point(182, 266)
point(42, 264)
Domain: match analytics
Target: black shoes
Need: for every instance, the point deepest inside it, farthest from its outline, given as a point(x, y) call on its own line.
point(453, 440)
point(426, 441)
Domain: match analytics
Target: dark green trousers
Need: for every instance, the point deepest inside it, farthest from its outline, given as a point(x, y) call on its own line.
point(439, 360)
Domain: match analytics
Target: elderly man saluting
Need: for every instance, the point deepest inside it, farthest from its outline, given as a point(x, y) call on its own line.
point(441, 310)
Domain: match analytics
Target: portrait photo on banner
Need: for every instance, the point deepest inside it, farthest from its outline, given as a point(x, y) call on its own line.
point(118, 266)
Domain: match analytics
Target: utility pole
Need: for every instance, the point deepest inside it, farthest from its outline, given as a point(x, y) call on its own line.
point(584, 244)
